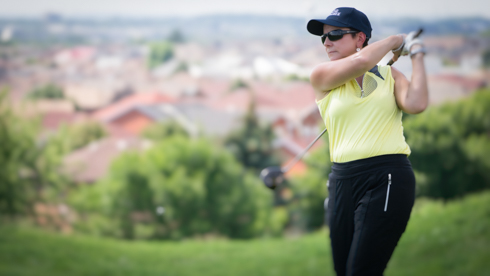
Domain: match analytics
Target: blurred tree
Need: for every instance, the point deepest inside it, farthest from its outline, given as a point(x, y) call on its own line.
point(182, 67)
point(160, 131)
point(29, 170)
point(176, 37)
point(135, 197)
point(451, 147)
point(69, 138)
point(295, 77)
point(17, 137)
point(252, 144)
point(160, 52)
point(237, 84)
point(486, 58)
point(306, 207)
point(49, 91)
point(183, 188)
point(82, 134)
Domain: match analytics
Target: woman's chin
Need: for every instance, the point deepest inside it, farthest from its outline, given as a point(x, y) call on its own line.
point(333, 55)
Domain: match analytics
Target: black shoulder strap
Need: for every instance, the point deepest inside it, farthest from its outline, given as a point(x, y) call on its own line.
point(375, 71)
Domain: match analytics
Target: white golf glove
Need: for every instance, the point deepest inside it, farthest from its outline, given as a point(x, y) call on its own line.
point(409, 41)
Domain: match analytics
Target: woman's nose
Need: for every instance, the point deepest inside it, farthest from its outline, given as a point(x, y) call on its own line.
point(327, 42)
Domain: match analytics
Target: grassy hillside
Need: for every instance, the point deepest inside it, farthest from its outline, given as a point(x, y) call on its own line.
point(446, 239)
point(441, 239)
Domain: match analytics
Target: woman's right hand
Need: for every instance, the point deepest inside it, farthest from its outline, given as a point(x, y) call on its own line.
point(397, 50)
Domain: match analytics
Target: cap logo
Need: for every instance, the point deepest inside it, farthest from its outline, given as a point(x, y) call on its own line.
point(335, 12)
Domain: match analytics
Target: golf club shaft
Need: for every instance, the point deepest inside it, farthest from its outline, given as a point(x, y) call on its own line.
point(299, 156)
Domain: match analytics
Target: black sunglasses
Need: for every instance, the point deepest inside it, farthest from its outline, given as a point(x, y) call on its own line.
point(336, 35)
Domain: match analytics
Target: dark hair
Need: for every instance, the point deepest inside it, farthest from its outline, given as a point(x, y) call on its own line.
point(365, 41)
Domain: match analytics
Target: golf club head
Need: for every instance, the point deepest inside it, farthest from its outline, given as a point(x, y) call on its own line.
point(272, 176)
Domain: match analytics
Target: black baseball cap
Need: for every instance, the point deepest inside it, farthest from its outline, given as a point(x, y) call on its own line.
point(342, 17)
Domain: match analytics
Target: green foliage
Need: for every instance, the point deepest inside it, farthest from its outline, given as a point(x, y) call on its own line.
point(8, 43)
point(49, 91)
point(310, 190)
point(176, 37)
point(29, 170)
point(201, 190)
point(485, 33)
point(57, 145)
point(252, 144)
point(451, 147)
point(486, 58)
point(445, 238)
point(449, 62)
point(161, 131)
point(237, 84)
point(278, 221)
point(160, 52)
point(72, 137)
point(182, 67)
point(441, 239)
point(16, 140)
point(82, 134)
point(294, 77)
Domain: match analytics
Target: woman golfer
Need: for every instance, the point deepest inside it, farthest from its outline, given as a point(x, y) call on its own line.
point(372, 185)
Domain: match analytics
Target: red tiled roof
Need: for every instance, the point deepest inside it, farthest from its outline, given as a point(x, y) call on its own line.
point(80, 53)
point(211, 88)
point(53, 120)
point(129, 102)
point(116, 131)
point(295, 96)
point(238, 100)
point(298, 96)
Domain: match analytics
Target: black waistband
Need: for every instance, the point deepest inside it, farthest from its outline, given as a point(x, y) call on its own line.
point(360, 166)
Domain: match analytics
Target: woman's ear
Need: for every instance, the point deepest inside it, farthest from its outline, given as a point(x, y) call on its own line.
point(360, 39)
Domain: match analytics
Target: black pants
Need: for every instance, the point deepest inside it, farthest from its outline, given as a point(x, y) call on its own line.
point(368, 208)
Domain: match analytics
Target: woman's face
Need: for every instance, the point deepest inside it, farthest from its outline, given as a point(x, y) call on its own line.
point(341, 48)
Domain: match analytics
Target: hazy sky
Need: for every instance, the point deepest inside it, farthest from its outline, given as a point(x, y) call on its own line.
point(301, 8)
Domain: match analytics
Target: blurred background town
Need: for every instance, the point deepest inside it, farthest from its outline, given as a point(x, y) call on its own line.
point(155, 126)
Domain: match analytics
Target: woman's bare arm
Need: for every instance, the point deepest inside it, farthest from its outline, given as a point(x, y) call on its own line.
point(329, 75)
point(412, 96)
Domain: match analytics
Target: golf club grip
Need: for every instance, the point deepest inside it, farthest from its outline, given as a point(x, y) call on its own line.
point(299, 156)
point(419, 32)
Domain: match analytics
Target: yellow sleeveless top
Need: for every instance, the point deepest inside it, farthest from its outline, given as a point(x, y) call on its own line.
point(364, 123)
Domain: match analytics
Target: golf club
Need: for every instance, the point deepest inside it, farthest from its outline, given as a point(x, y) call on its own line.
point(274, 175)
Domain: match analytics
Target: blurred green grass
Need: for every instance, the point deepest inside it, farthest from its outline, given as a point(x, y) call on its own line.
point(442, 239)
point(450, 238)
point(32, 252)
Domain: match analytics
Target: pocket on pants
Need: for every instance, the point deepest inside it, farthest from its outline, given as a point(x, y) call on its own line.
point(388, 192)
point(398, 192)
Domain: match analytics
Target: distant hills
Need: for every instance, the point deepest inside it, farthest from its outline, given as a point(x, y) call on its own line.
point(215, 27)
point(449, 26)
